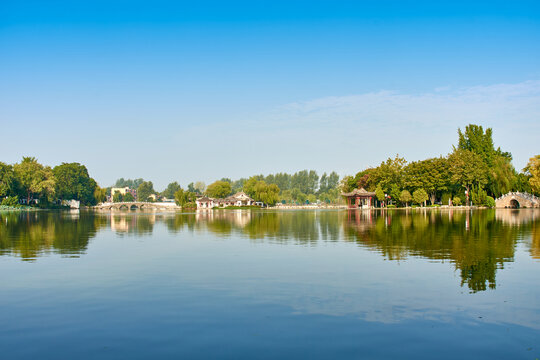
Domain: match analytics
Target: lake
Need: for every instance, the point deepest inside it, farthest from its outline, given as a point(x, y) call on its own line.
point(315, 284)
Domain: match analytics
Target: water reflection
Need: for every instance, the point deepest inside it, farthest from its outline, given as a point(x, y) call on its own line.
point(31, 234)
point(477, 243)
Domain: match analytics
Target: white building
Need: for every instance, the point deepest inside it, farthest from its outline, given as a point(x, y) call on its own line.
point(238, 199)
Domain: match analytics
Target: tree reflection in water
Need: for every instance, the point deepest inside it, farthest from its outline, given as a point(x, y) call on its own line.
point(31, 234)
point(478, 242)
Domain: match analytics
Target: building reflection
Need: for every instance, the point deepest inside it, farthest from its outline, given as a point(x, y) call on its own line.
point(477, 243)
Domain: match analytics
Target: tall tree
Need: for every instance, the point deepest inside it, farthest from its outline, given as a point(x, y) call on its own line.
point(333, 180)
point(132, 184)
point(432, 175)
point(145, 189)
point(73, 182)
point(35, 179)
point(501, 174)
point(219, 189)
point(467, 169)
point(100, 194)
point(183, 197)
point(171, 189)
point(200, 187)
point(390, 172)
point(7, 180)
point(266, 193)
point(533, 170)
point(323, 183)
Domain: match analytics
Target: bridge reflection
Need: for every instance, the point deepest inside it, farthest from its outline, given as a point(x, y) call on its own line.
point(478, 243)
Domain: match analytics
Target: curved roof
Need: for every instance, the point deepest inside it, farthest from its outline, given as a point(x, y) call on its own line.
point(359, 192)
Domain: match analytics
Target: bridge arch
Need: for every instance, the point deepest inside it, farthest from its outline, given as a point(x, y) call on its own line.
point(516, 200)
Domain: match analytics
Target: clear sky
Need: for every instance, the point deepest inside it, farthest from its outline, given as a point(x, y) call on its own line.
point(199, 90)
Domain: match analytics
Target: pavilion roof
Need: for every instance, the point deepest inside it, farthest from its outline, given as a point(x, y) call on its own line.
point(359, 192)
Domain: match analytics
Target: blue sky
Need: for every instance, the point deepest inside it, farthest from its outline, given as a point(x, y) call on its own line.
point(186, 91)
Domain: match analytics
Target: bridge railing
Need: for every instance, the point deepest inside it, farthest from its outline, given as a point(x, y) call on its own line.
point(522, 194)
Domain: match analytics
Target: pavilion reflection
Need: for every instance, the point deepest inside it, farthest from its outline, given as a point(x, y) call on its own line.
point(478, 244)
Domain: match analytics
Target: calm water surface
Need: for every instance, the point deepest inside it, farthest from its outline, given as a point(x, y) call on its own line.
point(267, 285)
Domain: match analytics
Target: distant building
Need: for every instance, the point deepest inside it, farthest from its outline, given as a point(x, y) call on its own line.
point(238, 199)
point(123, 191)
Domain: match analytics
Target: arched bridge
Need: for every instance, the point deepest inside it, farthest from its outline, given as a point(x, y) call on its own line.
point(515, 200)
point(137, 205)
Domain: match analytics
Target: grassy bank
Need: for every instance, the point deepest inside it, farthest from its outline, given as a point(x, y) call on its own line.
point(17, 208)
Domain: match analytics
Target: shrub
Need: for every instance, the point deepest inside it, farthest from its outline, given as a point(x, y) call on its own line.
point(456, 201)
point(391, 206)
point(445, 198)
point(10, 201)
point(490, 202)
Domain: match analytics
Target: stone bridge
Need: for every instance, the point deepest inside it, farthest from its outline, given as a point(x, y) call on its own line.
point(137, 205)
point(515, 200)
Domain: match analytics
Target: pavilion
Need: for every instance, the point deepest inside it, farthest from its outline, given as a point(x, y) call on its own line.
point(360, 198)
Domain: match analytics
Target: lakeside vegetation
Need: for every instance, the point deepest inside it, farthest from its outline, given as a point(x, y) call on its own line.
point(31, 183)
point(475, 172)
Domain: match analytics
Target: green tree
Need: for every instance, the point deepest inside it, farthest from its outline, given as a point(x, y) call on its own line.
point(171, 189)
point(476, 140)
point(405, 197)
point(379, 193)
point(501, 175)
point(132, 184)
point(118, 197)
point(35, 179)
point(478, 195)
point(267, 193)
point(7, 180)
point(432, 175)
point(100, 194)
point(323, 183)
point(73, 182)
point(200, 187)
point(333, 180)
point(249, 186)
point(456, 201)
point(533, 170)
point(183, 197)
point(467, 169)
point(219, 189)
point(365, 179)
point(128, 197)
point(389, 173)
point(420, 196)
point(145, 189)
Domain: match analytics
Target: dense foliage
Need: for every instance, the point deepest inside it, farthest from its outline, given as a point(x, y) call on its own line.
point(33, 182)
point(474, 171)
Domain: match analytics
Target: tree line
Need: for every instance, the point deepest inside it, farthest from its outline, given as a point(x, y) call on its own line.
point(33, 182)
point(474, 171)
point(300, 187)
